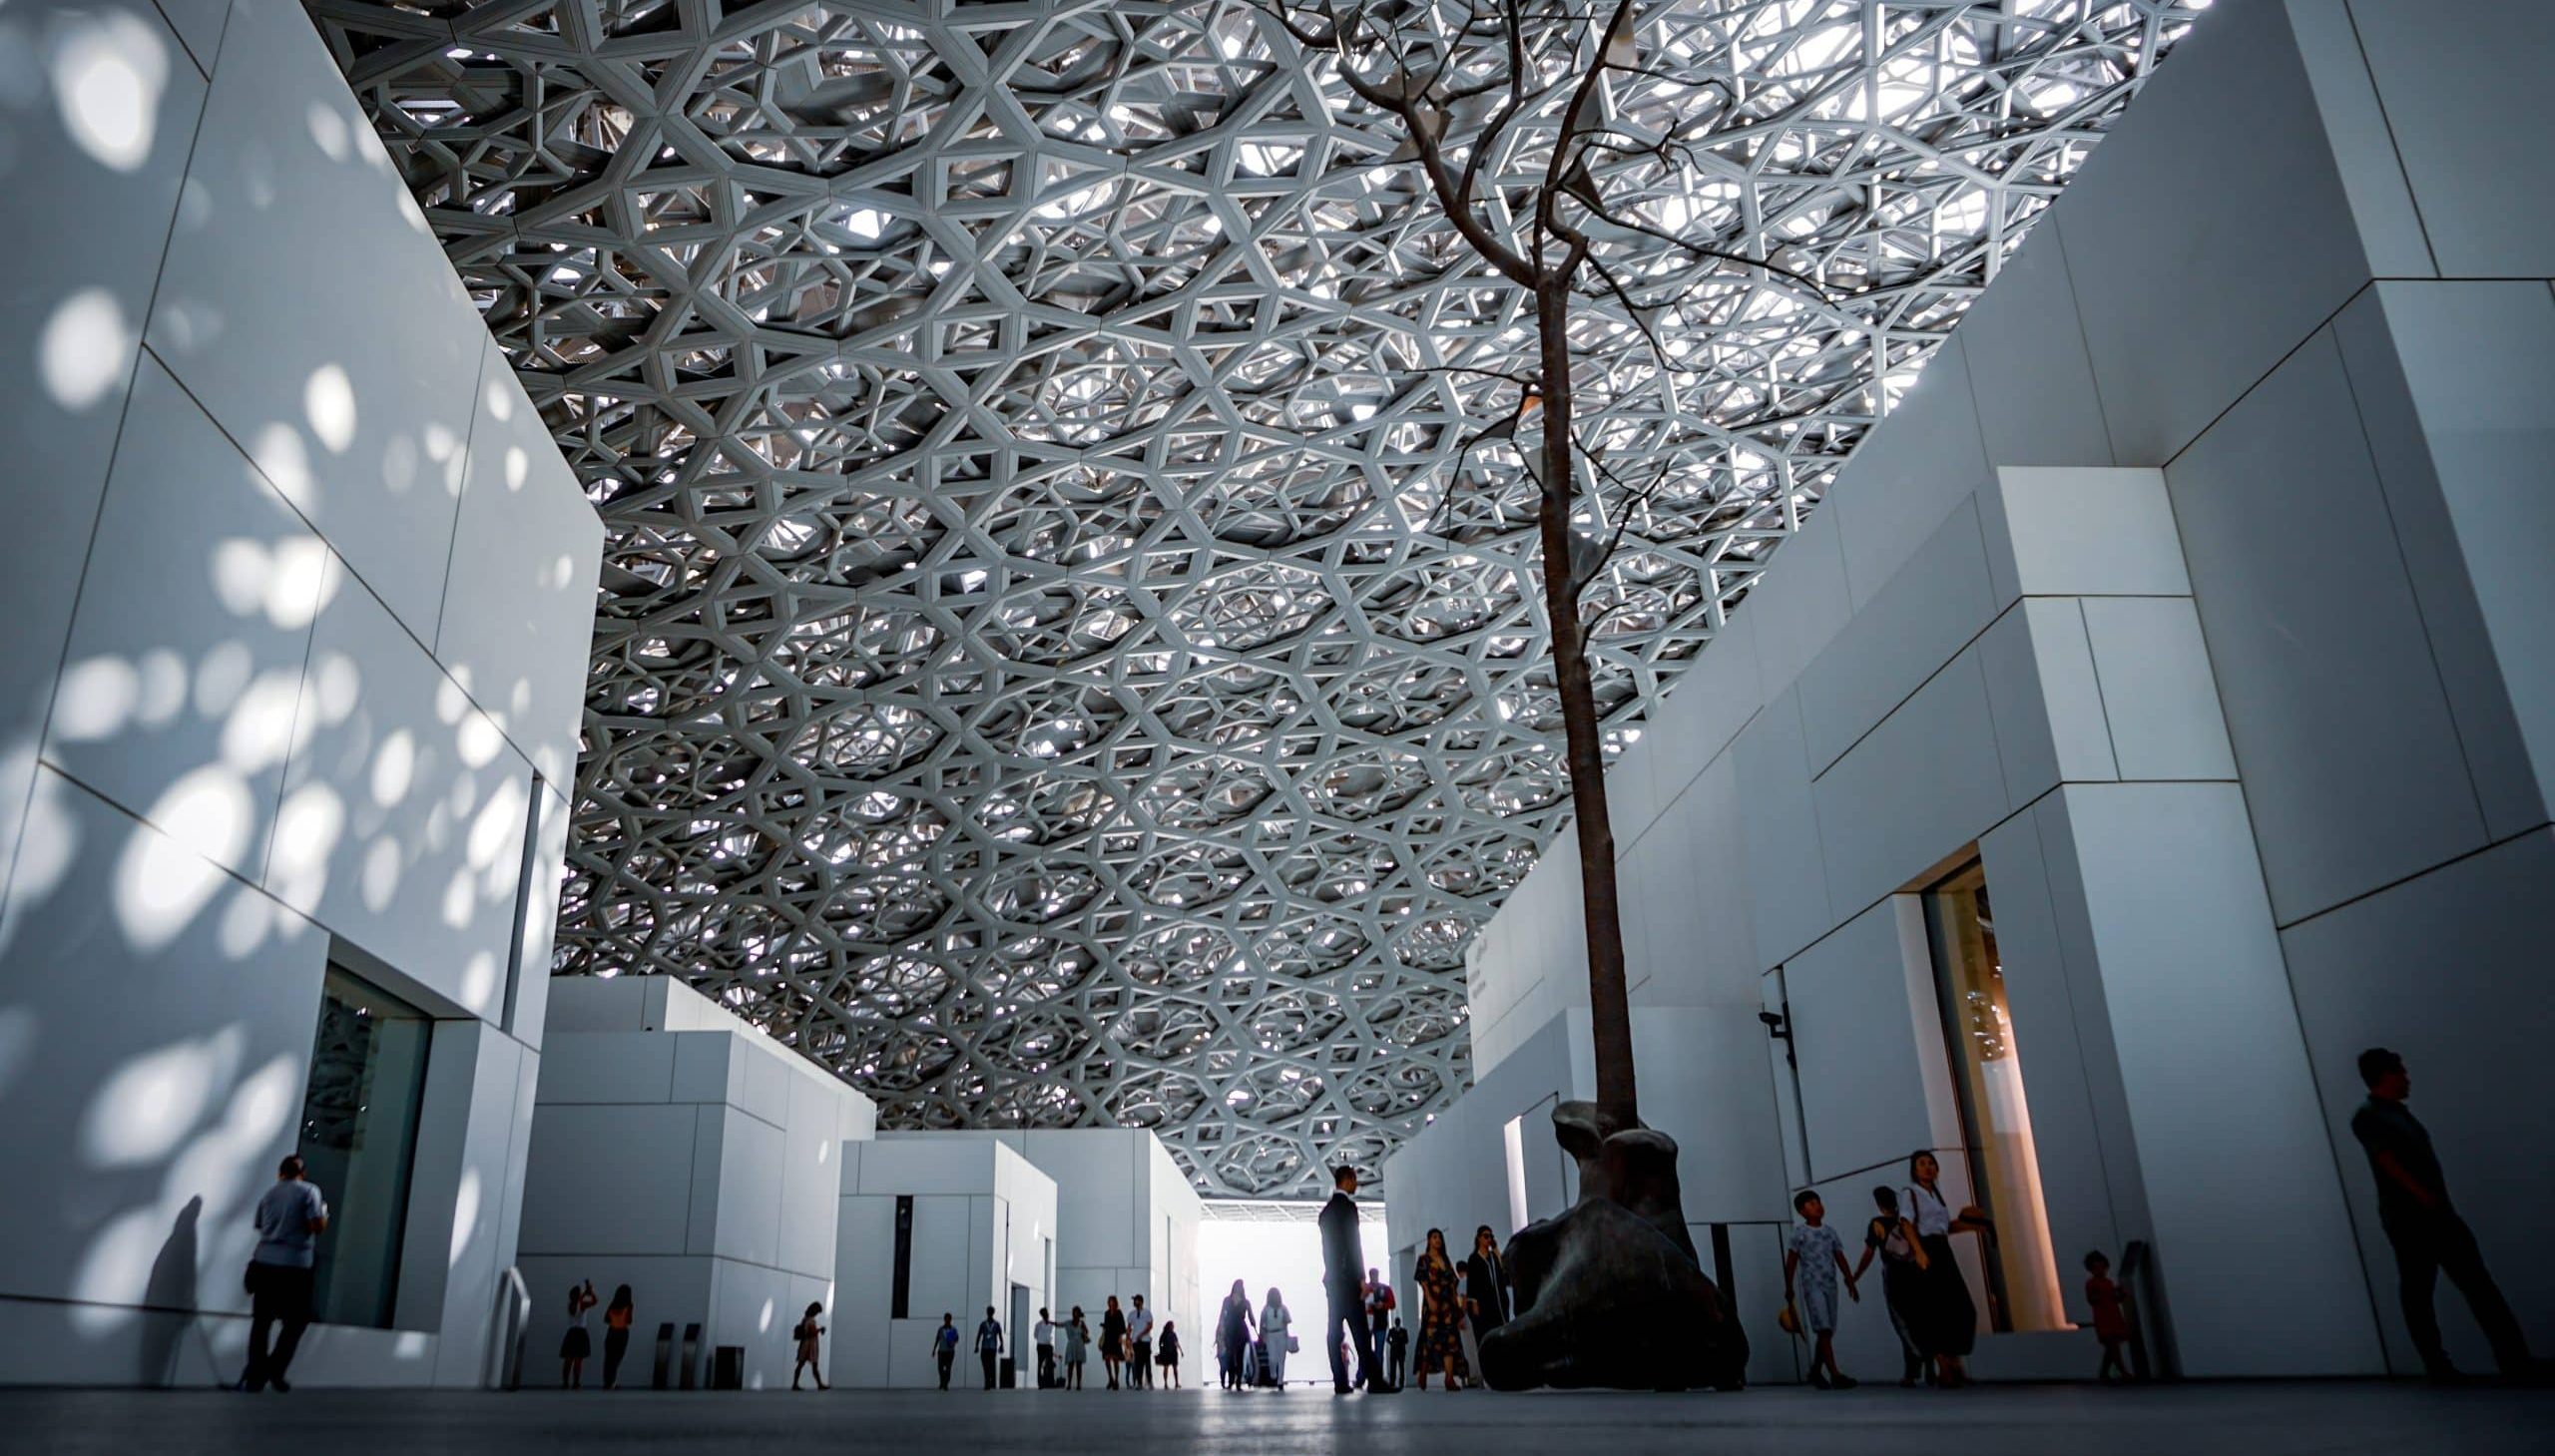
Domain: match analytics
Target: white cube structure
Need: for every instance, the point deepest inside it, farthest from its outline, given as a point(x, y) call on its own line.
point(1127, 1223)
point(935, 1226)
point(298, 597)
point(680, 1152)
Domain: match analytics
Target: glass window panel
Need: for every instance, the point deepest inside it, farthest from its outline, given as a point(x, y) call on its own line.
point(359, 1137)
point(1996, 1117)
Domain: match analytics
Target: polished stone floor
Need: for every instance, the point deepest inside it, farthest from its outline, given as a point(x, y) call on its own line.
point(2192, 1420)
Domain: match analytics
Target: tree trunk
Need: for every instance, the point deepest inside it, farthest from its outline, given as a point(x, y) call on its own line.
point(1609, 1010)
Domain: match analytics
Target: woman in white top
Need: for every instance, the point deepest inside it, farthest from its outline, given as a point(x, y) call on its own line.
point(1946, 1322)
point(1274, 1341)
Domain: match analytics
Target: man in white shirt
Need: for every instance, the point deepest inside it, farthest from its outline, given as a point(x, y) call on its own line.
point(1044, 1332)
point(1140, 1343)
point(290, 1218)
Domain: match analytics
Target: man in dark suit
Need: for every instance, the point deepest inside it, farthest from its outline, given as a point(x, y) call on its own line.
point(1343, 1284)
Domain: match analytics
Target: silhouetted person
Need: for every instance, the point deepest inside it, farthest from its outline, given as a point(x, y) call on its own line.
point(1399, 1343)
point(1379, 1310)
point(989, 1345)
point(810, 1354)
point(1112, 1340)
point(577, 1345)
point(2430, 1238)
point(290, 1218)
point(944, 1347)
point(1140, 1346)
point(1043, 1335)
point(2111, 1316)
point(1345, 1292)
point(1232, 1336)
point(617, 1317)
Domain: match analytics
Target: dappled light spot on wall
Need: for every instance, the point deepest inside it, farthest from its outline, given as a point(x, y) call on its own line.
point(518, 467)
point(116, 1271)
point(329, 399)
point(223, 676)
point(382, 871)
point(246, 923)
point(307, 829)
point(329, 130)
point(108, 74)
point(395, 767)
point(479, 982)
point(280, 456)
point(762, 1323)
point(226, 1165)
point(161, 883)
point(86, 349)
point(465, 1214)
point(260, 730)
point(152, 1101)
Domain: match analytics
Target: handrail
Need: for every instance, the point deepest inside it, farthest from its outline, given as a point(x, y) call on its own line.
point(501, 1368)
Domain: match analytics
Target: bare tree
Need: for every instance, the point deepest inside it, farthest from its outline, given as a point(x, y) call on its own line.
point(1520, 115)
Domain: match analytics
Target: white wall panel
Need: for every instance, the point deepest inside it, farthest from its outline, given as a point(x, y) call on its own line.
point(1864, 1092)
point(87, 218)
point(1923, 784)
point(2255, 249)
point(2158, 696)
point(361, 423)
point(1906, 632)
point(2451, 89)
point(1786, 878)
point(525, 550)
point(1801, 607)
point(161, 1124)
point(607, 1179)
point(185, 659)
point(2082, 533)
point(610, 1067)
point(2508, 785)
point(2351, 766)
point(1924, 459)
point(2330, 46)
point(811, 1180)
point(404, 811)
point(2222, 1097)
point(2479, 362)
point(2028, 372)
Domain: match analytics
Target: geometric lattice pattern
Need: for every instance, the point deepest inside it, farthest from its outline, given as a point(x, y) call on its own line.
point(1050, 666)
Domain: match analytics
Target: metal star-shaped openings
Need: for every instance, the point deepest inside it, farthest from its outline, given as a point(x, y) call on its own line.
point(1049, 665)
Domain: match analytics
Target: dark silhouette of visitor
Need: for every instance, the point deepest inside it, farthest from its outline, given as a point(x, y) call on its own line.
point(1076, 1347)
point(1441, 1315)
point(1343, 1291)
point(2429, 1237)
point(1379, 1310)
point(2111, 1320)
point(576, 1345)
point(1903, 1267)
point(1946, 1324)
point(1485, 1284)
point(1400, 1342)
point(989, 1345)
point(1140, 1346)
point(944, 1347)
point(1043, 1337)
point(290, 1218)
point(1233, 1336)
point(809, 1335)
point(617, 1317)
point(1814, 1258)
point(1112, 1339)
point(1166, 1353)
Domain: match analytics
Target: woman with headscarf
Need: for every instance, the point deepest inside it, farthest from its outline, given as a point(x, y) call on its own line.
point(1945, 1319)
point(1442, 1313)
point(1232, 1333)
point(1275, 1340)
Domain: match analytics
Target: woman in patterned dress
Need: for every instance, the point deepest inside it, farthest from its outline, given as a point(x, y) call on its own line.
point(1441, 1312)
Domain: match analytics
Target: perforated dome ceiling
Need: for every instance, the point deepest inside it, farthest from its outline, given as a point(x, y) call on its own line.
point(1040, 670)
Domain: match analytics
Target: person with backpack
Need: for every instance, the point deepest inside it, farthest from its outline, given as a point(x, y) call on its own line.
point(1902, 1262)
point(944, 1347)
